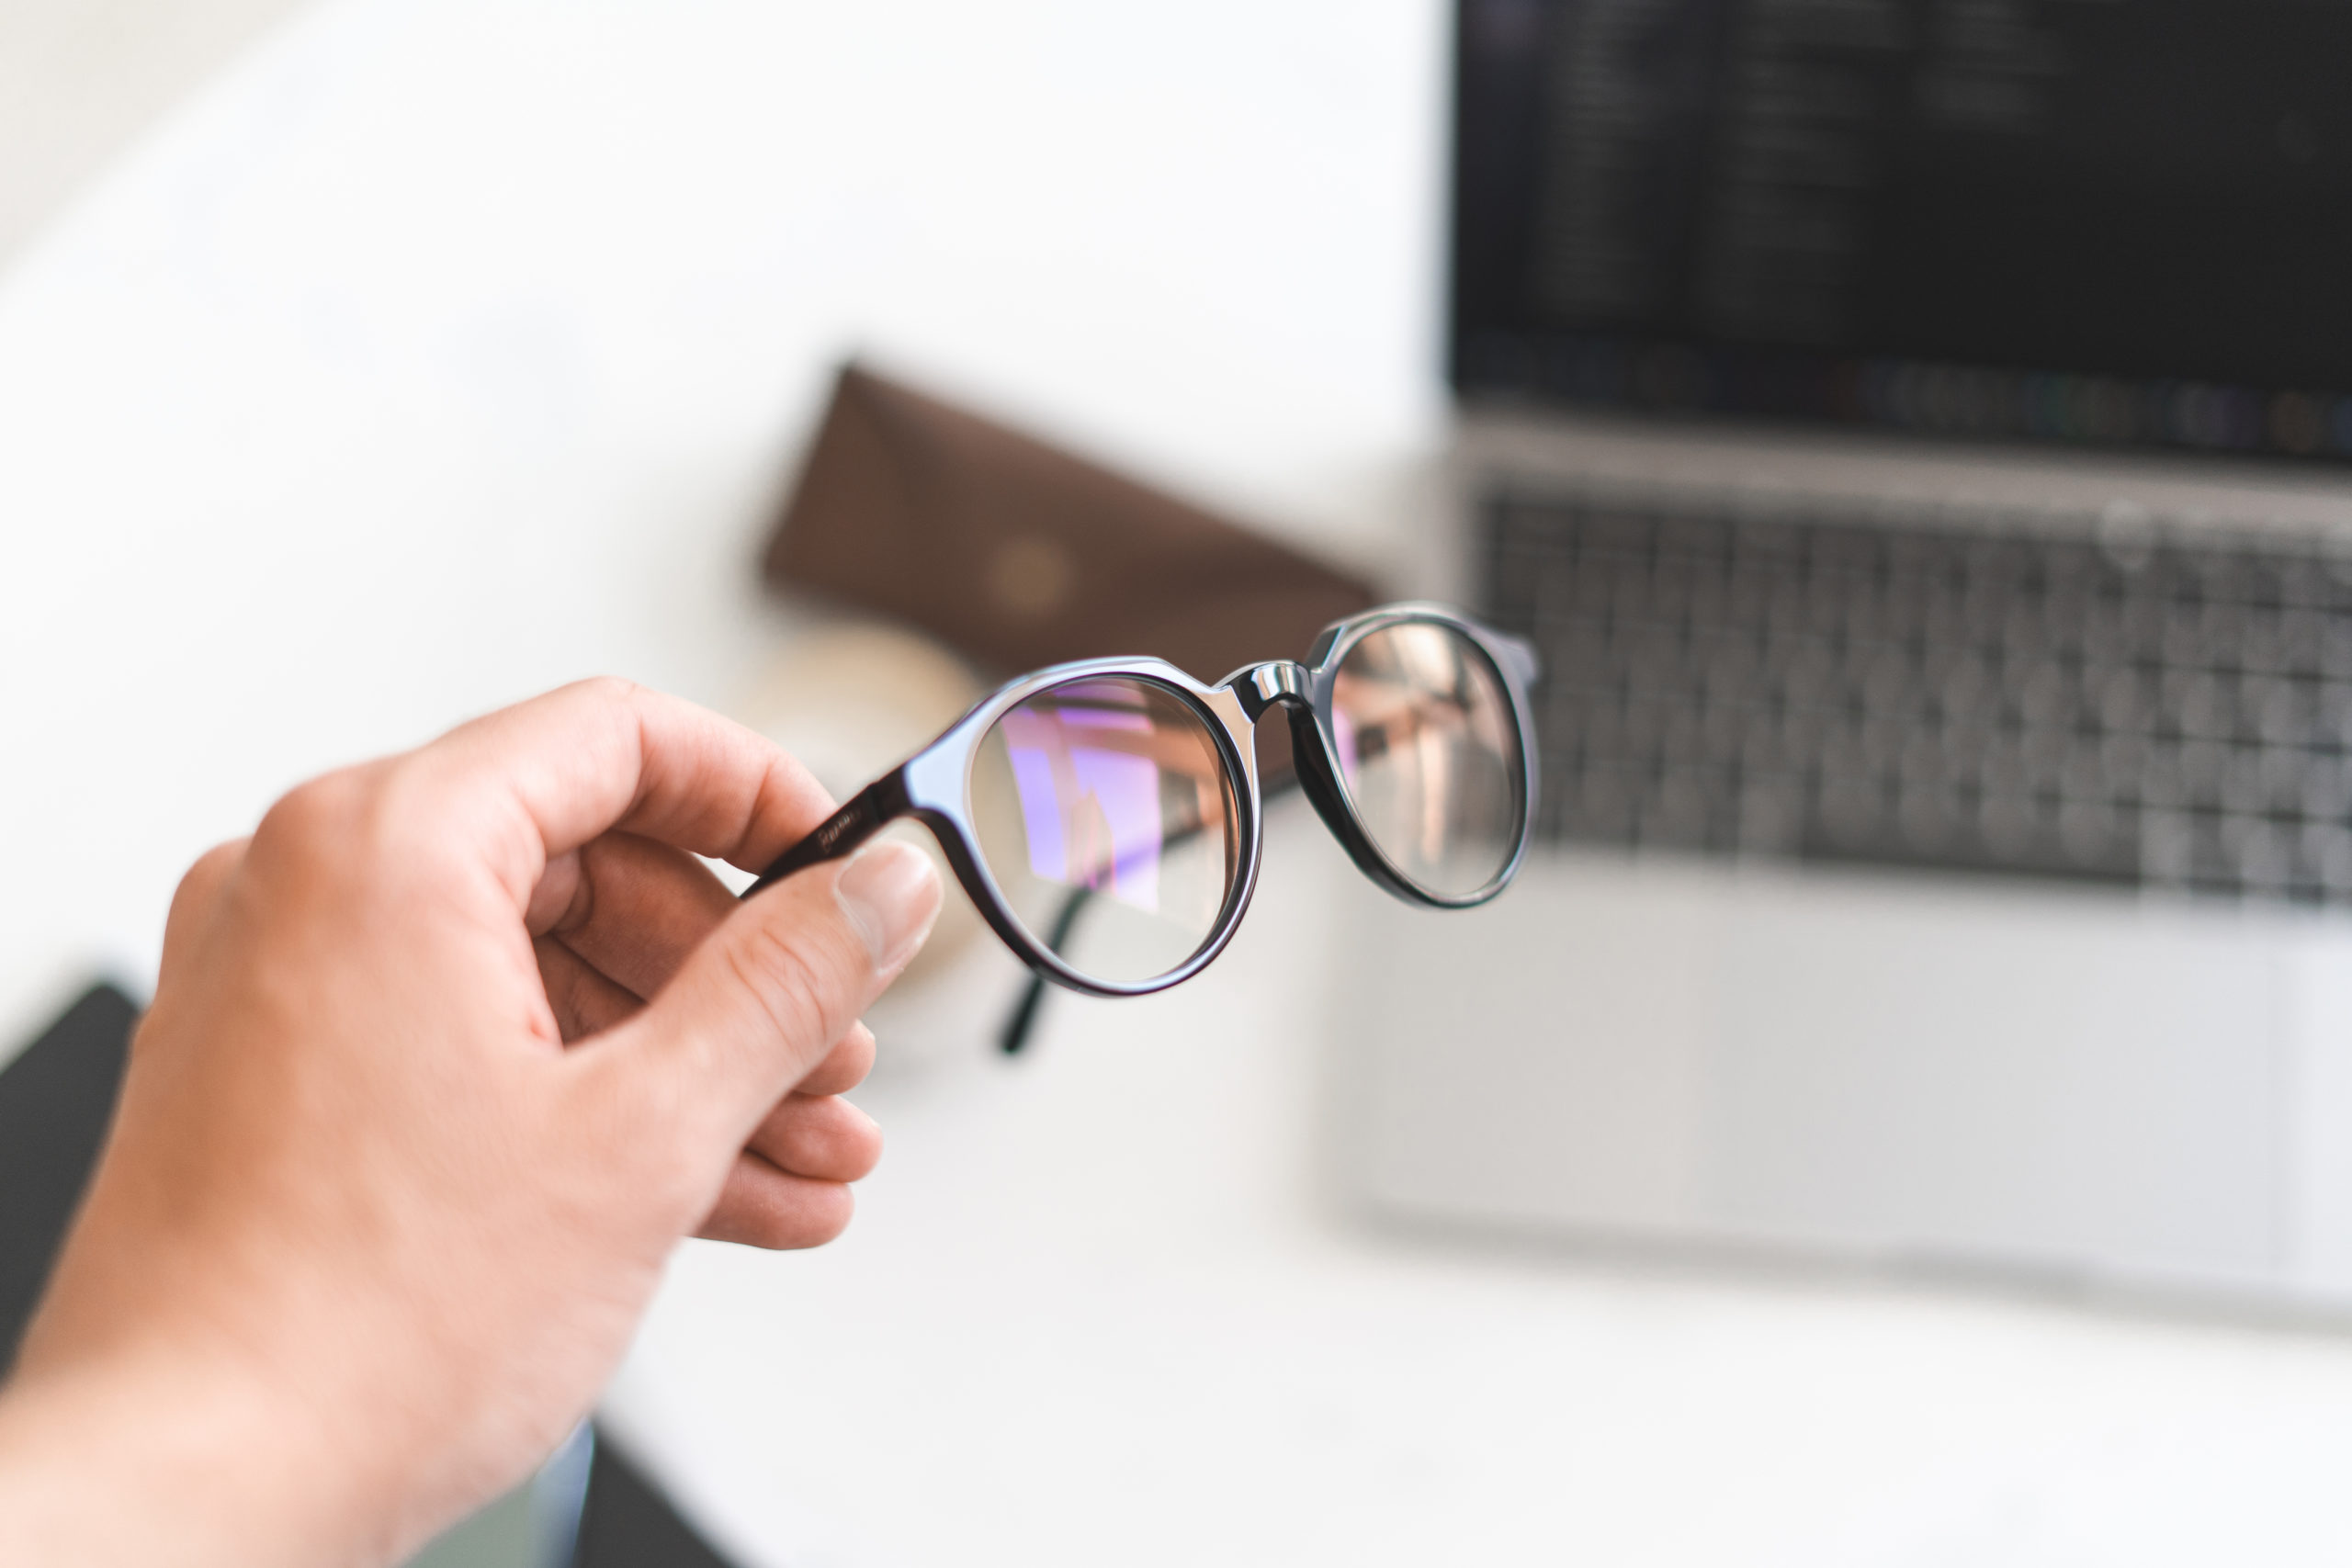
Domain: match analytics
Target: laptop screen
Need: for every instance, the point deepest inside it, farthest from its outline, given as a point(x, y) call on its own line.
point(2120, 222)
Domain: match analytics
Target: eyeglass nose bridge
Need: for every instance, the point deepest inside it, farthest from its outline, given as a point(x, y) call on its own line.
point(1261, 686)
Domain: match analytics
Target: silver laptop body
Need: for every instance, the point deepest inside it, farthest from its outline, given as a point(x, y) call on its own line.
point(2141, 1086)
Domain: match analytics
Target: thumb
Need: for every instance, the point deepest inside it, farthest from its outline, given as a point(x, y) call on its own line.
point(756, 1007)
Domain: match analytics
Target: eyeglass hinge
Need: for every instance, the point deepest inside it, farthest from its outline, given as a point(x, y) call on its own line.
point(1269, 684)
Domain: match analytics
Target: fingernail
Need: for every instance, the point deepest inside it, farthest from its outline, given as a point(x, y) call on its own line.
point(892, 896)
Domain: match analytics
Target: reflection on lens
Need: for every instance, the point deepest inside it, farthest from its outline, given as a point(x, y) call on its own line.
point(1103, 810)
point(1430, 754)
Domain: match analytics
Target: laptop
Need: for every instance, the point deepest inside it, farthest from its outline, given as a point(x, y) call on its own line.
point(1919, 435)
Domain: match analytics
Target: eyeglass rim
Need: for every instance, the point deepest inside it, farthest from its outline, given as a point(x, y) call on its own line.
point(935, 785)
point(938, 790)
point(1513, 663)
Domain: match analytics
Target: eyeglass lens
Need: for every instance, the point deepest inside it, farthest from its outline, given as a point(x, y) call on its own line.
point(1104, 812)
point(1428, 754)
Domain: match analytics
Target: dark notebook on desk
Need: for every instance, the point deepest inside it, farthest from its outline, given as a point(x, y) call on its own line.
point(56, 1099)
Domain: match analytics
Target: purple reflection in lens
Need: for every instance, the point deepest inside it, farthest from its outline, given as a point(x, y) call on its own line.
point(1122, 803)
point(1091, 813)
point(1343, 731)
point(1033, 776)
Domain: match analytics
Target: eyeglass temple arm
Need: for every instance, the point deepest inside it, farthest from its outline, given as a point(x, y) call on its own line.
point(869, 811)
point(1023, 1021)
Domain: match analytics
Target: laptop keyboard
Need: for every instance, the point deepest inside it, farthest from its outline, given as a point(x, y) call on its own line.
point(2104, 699)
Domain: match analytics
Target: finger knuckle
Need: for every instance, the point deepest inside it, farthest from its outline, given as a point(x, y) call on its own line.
point(616, 690)
point(321, 807)
point(209, 867)
point(373, 821)
point(310, 826)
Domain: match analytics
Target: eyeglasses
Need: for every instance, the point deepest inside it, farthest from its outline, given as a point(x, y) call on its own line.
point(1105, 816)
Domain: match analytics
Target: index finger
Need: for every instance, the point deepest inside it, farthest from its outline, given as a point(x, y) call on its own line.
point(545, 776)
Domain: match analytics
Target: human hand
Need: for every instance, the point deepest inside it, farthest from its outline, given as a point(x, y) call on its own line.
point(442, 1064)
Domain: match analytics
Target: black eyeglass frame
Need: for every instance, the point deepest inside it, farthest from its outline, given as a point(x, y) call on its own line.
point(935, 785)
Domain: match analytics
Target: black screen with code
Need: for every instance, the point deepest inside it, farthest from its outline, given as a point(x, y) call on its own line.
point(2118, 221)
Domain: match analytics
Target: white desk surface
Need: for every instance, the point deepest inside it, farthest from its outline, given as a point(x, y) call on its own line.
point(447, 350)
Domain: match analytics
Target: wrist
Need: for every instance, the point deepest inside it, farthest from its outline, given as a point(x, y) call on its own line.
point(147, 1458)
